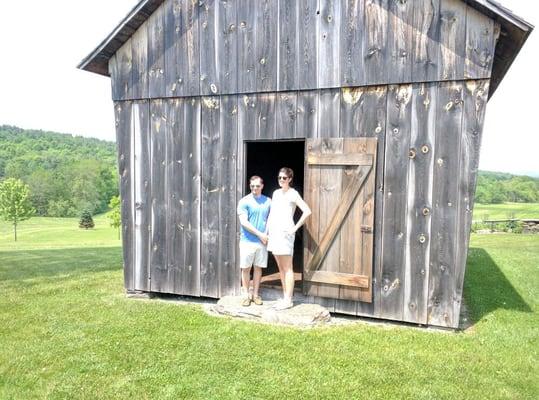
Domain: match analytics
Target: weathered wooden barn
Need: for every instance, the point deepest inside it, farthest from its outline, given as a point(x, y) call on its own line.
point(377, 104)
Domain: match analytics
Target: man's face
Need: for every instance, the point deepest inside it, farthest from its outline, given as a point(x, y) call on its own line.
point(256, 187)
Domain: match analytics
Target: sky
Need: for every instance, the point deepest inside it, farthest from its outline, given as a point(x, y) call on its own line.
point(41, 42)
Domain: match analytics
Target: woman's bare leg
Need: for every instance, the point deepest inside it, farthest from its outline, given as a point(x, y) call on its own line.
point(280, 261)
point(288, 270)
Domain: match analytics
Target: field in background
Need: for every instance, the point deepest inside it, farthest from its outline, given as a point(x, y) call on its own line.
point(506, 211)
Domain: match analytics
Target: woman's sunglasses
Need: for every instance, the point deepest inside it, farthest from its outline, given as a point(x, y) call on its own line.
point(282, 178)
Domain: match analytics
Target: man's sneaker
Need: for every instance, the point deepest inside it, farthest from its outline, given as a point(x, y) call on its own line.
point(258, 300)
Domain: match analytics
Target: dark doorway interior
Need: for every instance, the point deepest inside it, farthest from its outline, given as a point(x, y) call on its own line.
point(265, 158)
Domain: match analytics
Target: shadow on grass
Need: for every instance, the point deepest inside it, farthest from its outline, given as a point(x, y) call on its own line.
point(486, 288)
point(29, 264)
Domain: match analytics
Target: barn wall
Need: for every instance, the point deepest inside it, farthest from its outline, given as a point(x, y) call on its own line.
point(210, 47)
point(181, 167)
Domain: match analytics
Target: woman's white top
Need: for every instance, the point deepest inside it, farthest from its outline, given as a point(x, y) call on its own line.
point(281, 220)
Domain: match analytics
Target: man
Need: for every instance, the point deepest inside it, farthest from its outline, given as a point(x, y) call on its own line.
point(253, 211)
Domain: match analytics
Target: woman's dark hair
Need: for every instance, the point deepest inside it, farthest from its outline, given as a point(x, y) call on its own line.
point(288, 172)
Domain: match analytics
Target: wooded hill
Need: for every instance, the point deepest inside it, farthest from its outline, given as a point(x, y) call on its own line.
point(499, 187)
point(66, 174)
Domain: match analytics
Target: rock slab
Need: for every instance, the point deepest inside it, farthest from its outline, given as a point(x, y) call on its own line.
point(301, 314)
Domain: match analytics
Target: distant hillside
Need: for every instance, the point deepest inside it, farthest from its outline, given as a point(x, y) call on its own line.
point(501, 187)
point(66, 173)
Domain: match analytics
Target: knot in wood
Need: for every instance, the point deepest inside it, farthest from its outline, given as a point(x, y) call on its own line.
point(411, 154)
point(262, 61)
point(426, 211)
point(422, 238)
point(243, 24)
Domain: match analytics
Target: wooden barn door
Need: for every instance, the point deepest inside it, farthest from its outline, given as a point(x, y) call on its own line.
point(338, 242)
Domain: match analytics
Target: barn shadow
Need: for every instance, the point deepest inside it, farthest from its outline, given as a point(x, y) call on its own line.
point(487, 289)
point(31, 264)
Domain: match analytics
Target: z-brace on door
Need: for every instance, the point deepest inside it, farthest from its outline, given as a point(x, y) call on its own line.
point(338, 244)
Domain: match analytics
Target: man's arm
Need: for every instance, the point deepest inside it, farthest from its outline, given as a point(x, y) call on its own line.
point(247, 225)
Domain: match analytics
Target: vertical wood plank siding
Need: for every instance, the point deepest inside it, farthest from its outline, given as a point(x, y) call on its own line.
point(212, 139)
point(200, 77)
point(161, 278)
point(399, 106)
point(142, 200)
point(124, 139)
point(213, 47)
point(449, 112)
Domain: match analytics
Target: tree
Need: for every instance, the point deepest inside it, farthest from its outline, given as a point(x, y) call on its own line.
point(15, 202)
point(86, 220)
point(115, 215)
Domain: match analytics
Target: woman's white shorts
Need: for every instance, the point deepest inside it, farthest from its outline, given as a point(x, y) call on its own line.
point(281, 243)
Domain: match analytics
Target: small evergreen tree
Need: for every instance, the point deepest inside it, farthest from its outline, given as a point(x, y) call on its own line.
point(15, 202)
point(86, 220)
point(115, 214)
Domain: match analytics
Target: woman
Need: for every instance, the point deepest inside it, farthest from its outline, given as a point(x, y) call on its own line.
point(282, 232)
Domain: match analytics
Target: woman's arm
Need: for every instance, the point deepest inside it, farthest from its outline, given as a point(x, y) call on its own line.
point(306, 212)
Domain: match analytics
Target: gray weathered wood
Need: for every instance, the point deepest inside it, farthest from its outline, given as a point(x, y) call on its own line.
point(247, 31)
point(329, 113)
point(124, 139)
point(351, 57)
point(480, 44)
point(395, 177)
point(191, 161)
point(308, 27)
point(307, 114)
point(114, 81)
point(190, 64)
point(329, 44)
point(419, 209)
point(211, 188)
point(227, 149)
point(227, 46)
point(175, 231)
point(426, 34)
point(209, 62)
point(266, 117)
point(375, 51)
point(452, 39)
point(159, 272)
point(286, 115)
point(475, 101)
point(449, 112)
point(156, 53)
point(139, 48)
point(401, 18)
point(266, 45)
point(125, 76)
point(287, 73)
point(182, 48)
point(142, 200)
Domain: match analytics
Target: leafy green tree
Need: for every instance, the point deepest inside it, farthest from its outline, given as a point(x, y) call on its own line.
point(115, 215)
point(86, 220)
point(15, 202)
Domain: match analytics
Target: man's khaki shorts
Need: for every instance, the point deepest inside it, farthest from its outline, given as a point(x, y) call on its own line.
point(253, 254)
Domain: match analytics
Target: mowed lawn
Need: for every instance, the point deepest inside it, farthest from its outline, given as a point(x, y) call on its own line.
point(68, 331)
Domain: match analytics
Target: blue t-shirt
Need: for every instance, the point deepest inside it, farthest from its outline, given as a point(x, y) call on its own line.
point(257, 210)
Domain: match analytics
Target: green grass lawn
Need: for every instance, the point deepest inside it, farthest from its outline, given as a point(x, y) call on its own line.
point(506, 211)
point(67, 331)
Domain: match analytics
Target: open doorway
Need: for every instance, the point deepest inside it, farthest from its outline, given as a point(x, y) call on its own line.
point(265, 158)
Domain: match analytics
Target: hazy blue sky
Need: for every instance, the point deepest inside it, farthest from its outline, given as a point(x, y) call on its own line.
point(42, 42)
